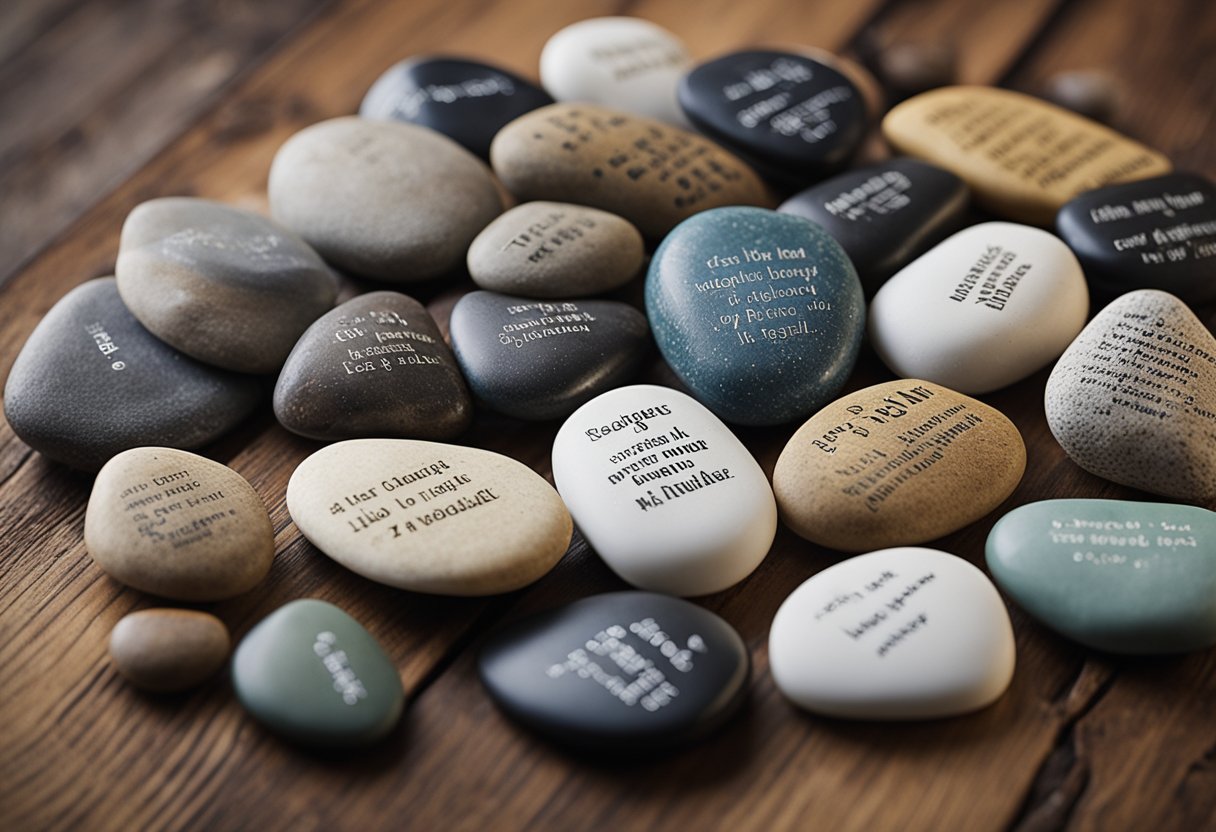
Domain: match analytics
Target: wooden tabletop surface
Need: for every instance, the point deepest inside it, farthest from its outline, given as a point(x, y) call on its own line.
point(108, 103)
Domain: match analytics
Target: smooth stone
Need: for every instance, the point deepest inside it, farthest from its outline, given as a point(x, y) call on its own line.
point(91, 382)
point(166, 650)
point(1023, 157)
point(178, 525)
point(663, 491)
point(555, 250)
point(375, 366)
point(896, 464)
point(913, 67)
point(311, 673)
point(429, 517)
point(794, 118)
point(884, 216)
point(863, 79)
point(1091, 93)
point(619, 671)
point(387, 200)
point(1114, 575)
point(904, 633)
point(542, 359)
point(760, 314)
point(987, 307)
point(648, 172)
point(1133, 399)
point(221, 284)
point(623, 63)
point(466, 100)
point(1157, 233)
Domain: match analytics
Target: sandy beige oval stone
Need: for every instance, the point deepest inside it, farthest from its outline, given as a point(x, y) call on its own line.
point(649, 172)
point(896, 464)
point(430, 517)
point(178, 525)
point(165, 650)
point(1023, 157)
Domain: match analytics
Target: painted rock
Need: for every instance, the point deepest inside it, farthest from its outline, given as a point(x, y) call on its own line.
point(1023, 157)
point(1157, 233)
point(221, 284)
point(540, 359)
point(619, 62)
point(387, 200)
point(165, 650)
point(1118, 576)
point(311, 673)
point(555, 250)
point(429, 517)
point(1134, 398)
point(375, 366)
point(896, 464)
point(663, 491)
point(466, 100)
point(985, 308)
point(648, 172)
point(178, 525)
point(624, 670)
point(91, 382)
point(905, 633)
point(794, 118)
point(760, 314)
point(886, 215)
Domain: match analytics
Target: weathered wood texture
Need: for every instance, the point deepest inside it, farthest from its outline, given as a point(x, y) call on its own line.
point(1080, 740)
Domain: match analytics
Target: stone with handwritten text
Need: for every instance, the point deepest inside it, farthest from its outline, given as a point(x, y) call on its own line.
point(167, 650)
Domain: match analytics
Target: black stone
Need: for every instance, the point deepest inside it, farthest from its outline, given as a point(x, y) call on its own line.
point(542, 359)
point(620, 671)
point(91, 382)
point(1157, 233)
point(467, 101)
point(795, 119)
point(886, 215)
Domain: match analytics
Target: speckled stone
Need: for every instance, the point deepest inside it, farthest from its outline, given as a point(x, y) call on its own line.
point(387, 200)
point(1114, 575)
point(760, 314)
point(1134, 398)
point(91, 382)
point(896, 464)
point(166, 650)
point(555, 250)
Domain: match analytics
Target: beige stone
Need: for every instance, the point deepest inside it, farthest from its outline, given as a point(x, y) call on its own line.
point(1023, 157)
point(178, 525)
point(430, 517)
point(166, 650)
point(896, 464)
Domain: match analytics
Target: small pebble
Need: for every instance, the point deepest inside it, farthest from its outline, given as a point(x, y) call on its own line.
point(1091, 93)
point(168, 650)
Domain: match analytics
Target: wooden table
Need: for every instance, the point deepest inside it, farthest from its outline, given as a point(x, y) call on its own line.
point(108, 103)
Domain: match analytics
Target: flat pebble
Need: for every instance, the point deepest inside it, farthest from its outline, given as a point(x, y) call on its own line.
point(167, 650)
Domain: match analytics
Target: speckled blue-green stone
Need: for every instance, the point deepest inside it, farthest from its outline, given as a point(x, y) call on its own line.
point(760, 314)
point(1115, 575)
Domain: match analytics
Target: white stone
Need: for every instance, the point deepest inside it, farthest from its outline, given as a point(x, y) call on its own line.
point(623, 63)
point(985, 308)
point(905, 633)
point(662, 489)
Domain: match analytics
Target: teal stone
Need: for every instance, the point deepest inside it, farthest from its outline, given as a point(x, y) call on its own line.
point(311, 673)
point(760, 314)
point(1115, 575)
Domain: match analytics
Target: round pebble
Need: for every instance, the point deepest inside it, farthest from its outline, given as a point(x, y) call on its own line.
point(168, 650)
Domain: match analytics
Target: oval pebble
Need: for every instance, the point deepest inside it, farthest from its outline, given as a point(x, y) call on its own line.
point(167, 650)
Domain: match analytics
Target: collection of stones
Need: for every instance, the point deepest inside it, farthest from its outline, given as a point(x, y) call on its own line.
point(760, 313)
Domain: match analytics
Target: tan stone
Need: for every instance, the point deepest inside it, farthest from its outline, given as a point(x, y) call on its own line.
point(1023, 157)
point(430, 517)
point(896, 464)
point(178, 525)
point(167, 650)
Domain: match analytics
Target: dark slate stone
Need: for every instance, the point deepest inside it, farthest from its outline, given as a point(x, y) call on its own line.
point(1157, 233)
point(467, 101)
point(542, 359)
point(886, 215)
point(375, 366)
point(795, 119)
point(621, 671)
point(91, 382)
point(760, 314)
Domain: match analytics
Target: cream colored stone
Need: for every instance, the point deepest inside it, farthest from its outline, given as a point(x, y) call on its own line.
point(165, 650)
